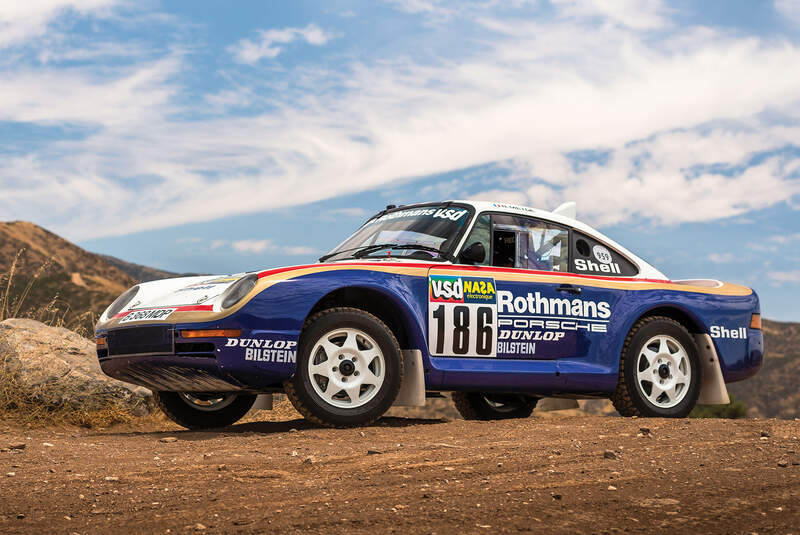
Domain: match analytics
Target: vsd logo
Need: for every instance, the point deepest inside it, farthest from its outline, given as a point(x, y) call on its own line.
point(446, 289)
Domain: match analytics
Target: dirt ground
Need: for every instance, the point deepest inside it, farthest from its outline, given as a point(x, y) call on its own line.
point(579, 474)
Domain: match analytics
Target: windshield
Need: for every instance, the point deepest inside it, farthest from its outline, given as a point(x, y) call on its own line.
point(422, 232)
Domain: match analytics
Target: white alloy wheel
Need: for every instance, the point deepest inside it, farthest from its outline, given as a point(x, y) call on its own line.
point(207, 402)
point(663, 371)
point(346, 368)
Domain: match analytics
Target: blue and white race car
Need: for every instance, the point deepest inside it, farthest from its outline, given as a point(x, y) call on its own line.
point(499, 304)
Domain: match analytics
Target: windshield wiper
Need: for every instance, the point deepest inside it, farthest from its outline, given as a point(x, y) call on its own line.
point(415, 246)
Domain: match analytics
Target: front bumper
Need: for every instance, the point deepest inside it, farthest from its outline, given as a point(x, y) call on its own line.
point(157, 357)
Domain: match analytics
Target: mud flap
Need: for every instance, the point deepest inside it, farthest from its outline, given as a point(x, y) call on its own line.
point(412, 391)
point(712, 390)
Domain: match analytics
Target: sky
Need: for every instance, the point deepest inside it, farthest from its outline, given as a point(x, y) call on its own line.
point(218, 137)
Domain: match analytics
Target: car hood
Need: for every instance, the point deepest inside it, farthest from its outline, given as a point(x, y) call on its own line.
point(181, 293)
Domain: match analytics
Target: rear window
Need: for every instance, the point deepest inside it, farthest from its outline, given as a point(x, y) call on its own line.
point(592, 257)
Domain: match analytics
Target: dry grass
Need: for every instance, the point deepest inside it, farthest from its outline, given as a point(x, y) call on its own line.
point(55, 313)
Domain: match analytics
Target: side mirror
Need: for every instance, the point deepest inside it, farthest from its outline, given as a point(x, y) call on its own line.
point(473, 254)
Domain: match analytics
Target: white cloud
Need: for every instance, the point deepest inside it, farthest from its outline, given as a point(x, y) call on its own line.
point(638, 14)
point(263, 246)
point(678, 118)
point(779, 278)
point(22, 20)
point(789, 9)
point(265, 46)
point(721, 258)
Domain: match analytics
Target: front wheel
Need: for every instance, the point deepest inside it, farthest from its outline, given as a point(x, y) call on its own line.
point(204, 410)
point(659, 374)
point(478, 406)
point(349, 369)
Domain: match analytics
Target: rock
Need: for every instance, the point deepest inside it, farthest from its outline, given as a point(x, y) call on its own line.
point(168, 439)
point(199, 527)
point(11, 474)
point(20, 516)
point(110, 478)
point(556, 496)
point(18, 446)
point(47, 445)
point(374, 452)
point(644, 430)
point(60, 367)
point(764, 434)
point(783, 464)
point(608, 454)
point(222, 467)
point(309, 460)
point(612, 487)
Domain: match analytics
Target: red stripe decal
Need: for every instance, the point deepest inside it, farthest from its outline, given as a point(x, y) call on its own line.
point(462, 268)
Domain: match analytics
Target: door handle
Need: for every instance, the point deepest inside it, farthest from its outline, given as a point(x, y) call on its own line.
point(569, 288)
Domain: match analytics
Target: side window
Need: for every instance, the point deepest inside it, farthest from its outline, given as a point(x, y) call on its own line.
point(526, 243)
point(481, 233)
point(595, 258)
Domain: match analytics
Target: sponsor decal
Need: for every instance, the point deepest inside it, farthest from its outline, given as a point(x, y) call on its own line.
point(453, 214)
point(718, 331)
point(582, 264)
point(194, 288)
point(536, 304)
point(156, 314)
point(601, 254)
point(462, 316)
point(265, 350)
point(445, 289)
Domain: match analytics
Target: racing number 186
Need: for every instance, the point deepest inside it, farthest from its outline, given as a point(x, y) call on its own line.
point(464, 327)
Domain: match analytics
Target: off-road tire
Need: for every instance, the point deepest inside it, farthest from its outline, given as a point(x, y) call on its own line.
point(313, 407)
point(474, 406)
point(627, 398)
point(179, 411)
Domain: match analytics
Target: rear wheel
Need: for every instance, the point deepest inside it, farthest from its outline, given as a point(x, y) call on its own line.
point(349, 369)
point(479, 406)
point(659, 373)
point(204, 410)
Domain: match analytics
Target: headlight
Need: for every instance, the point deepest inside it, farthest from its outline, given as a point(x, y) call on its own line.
point(238, 290)
point(121, 302)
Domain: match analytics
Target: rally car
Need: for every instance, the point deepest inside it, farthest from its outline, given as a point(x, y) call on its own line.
point(499, 304)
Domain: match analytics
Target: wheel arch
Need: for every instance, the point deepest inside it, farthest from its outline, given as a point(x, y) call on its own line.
point(387, 307)
point(674, 312)
point(712, 388)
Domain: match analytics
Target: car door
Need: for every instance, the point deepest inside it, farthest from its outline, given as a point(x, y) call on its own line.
point(494, 318)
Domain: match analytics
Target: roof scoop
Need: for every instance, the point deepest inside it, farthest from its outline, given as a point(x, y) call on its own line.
point(567, 209)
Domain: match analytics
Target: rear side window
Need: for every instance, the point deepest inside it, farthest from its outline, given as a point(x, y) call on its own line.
point(592, 257)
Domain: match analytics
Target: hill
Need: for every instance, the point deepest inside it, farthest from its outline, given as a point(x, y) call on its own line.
point(68, 286)
point(773, 391)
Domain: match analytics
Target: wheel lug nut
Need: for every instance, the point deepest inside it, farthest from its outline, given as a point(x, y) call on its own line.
point(344, 379)
point(355, 373)
point(353, 359)
point(341, 357)
point(335, 369)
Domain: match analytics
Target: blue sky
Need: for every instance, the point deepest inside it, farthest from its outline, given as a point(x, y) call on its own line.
point(220, 137)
